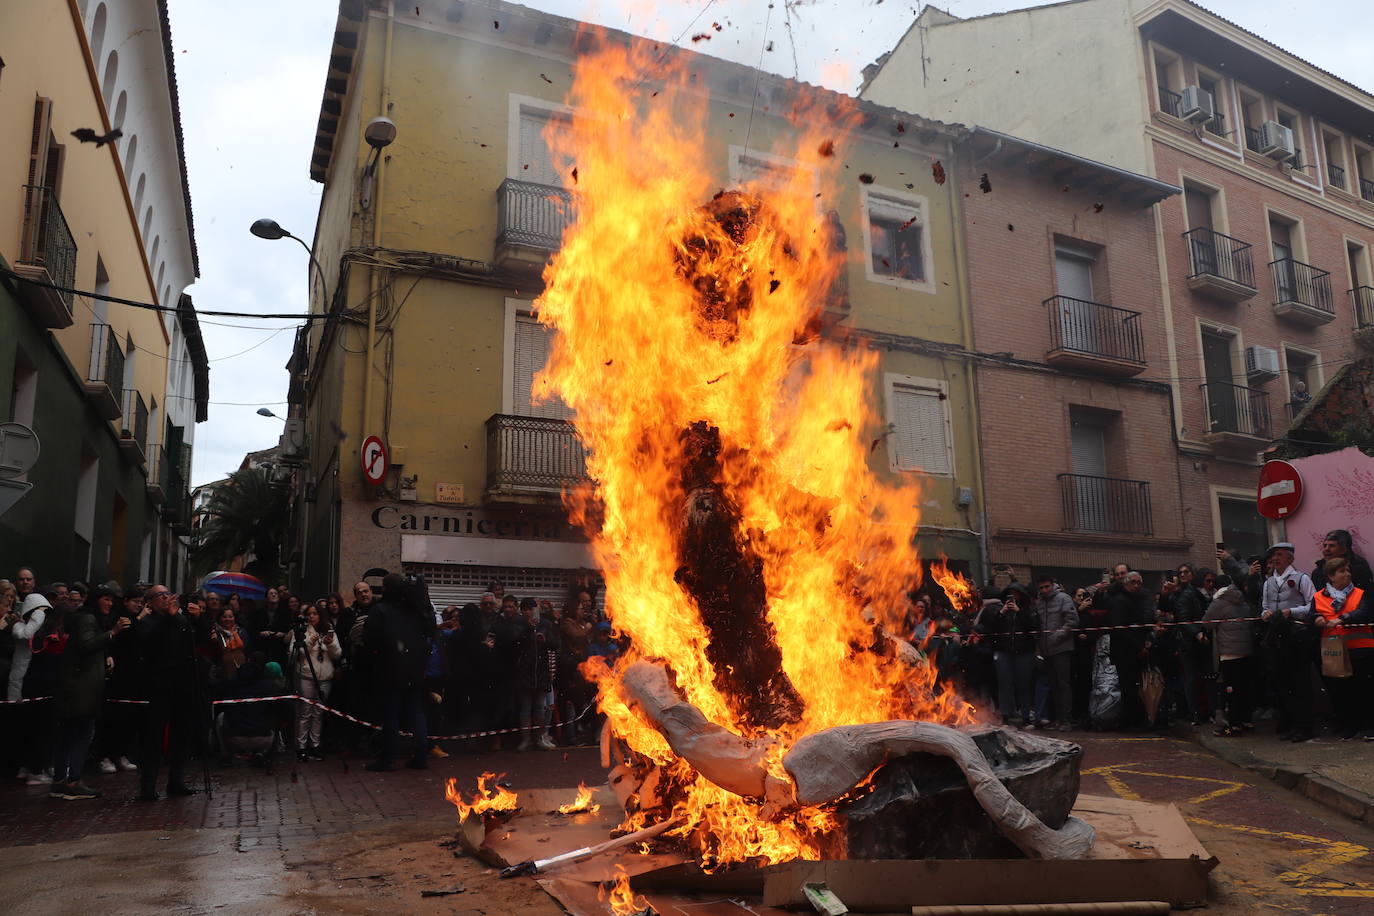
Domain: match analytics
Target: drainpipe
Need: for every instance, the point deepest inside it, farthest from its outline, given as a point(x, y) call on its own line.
point(375, 273)
point(956, 215)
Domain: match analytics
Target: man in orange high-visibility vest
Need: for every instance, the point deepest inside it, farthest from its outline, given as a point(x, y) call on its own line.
point(1339, 609)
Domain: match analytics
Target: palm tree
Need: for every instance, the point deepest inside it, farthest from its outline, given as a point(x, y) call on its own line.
point(244, 517)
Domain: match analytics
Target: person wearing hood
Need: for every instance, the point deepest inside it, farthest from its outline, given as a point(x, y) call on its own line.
point(1233, 642)
point(31, 614)
point(1337, 543)
point(399, 631)
point(1014, 630)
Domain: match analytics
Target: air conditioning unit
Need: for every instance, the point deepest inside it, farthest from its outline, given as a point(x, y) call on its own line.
point(292, 441)
point(1276, 141)
point(1197, 106)
point(1261, 364)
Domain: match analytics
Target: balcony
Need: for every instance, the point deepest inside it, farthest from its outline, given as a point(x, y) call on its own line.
point(157, 474)
point(1237, 417)
point(1362, 303)
point(1105, 505)
point(133, 437)
point(1367, 189)
point(1302, 293)
point(531, 218)
point(47, 254)
point(1252, 139)
point(533, 456)
point(1091, 337)
point(105, 380)
point(1170, 102)
point(1217, 126)
point(1221, 266)
point(1335, 176)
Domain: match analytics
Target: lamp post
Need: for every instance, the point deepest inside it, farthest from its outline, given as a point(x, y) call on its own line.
point(271, 230)
point(264, 412)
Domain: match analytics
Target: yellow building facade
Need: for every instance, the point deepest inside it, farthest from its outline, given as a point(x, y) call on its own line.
point(433, 246)
point(109, 389)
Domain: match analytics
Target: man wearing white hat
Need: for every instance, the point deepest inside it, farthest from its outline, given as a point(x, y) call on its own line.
point(1286, 607)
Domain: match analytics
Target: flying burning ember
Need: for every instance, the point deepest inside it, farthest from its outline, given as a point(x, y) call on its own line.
point(749, 549)
point(489, 799)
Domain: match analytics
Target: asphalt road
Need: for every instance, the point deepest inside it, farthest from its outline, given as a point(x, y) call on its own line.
point(271, 844)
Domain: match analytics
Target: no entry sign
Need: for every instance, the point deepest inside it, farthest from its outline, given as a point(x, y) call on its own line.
point(374, 460)
point(1280, 489)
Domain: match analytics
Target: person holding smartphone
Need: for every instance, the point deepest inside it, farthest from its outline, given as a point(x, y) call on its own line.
point(314, 652)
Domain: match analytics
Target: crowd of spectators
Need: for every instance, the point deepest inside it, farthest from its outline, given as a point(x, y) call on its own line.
point(108, 678)
point(1253, 638)
point(113, 679)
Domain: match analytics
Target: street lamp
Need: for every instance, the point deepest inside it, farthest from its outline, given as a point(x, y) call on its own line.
point(264, 412)
point(271, 230)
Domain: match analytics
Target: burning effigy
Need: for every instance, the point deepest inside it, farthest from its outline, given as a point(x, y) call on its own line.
point(753, 559)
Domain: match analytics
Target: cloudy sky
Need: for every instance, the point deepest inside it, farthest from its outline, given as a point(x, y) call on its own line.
point(249, 119)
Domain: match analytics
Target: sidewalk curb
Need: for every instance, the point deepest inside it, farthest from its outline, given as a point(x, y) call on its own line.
point(1342, 799)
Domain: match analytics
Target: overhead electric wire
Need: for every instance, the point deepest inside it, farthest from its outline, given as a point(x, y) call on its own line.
point(307, 316)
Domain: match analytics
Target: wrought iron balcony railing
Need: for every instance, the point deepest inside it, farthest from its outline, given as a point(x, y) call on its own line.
point(1217, 126)
point(1106, 333)
point(1335, 175)
point(1107, 505)
point(1252, 139)
point(1215, 255)
point(47, 254)
point(1236, 410)
point(1170, 102)
point(105, 374)
point(532, 215)
point(533, 455)
point(1362, 299)
point(1304, 286)
point(135, 414)
point(157, 473)
point(1367, 189)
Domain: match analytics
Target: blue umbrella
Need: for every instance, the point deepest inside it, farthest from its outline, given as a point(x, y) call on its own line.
point(235, 583)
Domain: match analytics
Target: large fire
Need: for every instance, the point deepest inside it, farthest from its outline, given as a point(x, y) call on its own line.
point(687, 344)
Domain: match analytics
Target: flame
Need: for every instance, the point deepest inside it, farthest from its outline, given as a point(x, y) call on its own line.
point(582, 804)
point(961, 592)
point(621, 898)
point(489, 797)
point(639, 359)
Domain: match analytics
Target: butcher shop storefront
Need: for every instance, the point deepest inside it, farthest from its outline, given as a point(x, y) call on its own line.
point(533, 551)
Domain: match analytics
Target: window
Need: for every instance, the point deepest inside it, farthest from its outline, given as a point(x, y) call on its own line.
point(1213, 87)
point(1334, 148)
point(1302, 378)
point(1242, 528)
point(86, 486)
point(918, 425)
point(767, 171)
point(23, 390)
point(1294, 123)
point(1252, 116)
point(1364, 172)
point(101, 307)
point(532, 346)
point(898, 245)
point(1168, 82)
point(1357, 262)
point(536, 161)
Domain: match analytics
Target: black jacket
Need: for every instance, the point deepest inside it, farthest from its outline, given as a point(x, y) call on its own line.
point(1360, 574)
point(81, 667)
point(1124, 608)
point(397, 635)
point(167, 646)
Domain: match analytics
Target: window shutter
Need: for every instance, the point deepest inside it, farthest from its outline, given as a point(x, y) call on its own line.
point(920, 432)
point(42, 136)
point(533, 343)
point(534, 149)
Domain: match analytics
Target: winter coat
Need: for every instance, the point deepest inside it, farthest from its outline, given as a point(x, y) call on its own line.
point(1233, 637)
point(324, 656)
point(167, 650)
point(32, 613)
point(81, 667)
point(1013, 632)
point(1360, 574)
point(1127, 609)
point(1058, 617)
point(397, 635)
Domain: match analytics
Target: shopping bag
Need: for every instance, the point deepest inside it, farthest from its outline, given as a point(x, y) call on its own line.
point(1335, 660)
point(1104, 703)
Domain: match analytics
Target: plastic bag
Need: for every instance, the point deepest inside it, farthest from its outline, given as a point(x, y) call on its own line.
point(1104, 705)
